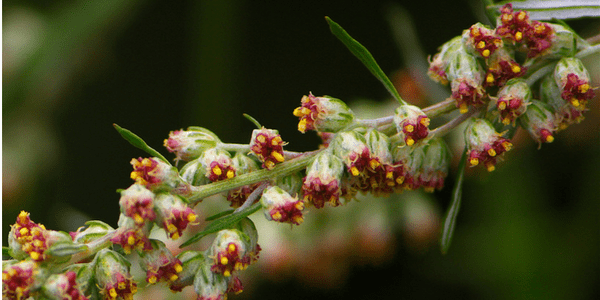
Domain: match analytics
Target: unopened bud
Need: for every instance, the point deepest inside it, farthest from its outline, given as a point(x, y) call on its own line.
point(439, 64)
point(539, 120)
point(242, 164)
point(323, 180)
point(190, 263)
point(194, 173)
point(325, 114)
point(191, 143)
point(434, 168)
point(94, 230)
point(63, 286)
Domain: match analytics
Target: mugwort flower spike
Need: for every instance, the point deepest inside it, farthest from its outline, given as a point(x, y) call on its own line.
point(21, 279)
point(512, 100)
point(267, 145)
point(484, 144)
point(323, 180)
point(191, 143)
point(539, 120)
point(324, 114)
point(137, 202)
point(279, 206)
point(173, 214)
point(574, 82)
point(412, 123)
point(112, 276)
point(480, 40)
point(160, 264)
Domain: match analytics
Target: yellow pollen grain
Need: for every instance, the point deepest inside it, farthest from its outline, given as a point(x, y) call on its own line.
point(374, 163)
point(502, 105)
point(269, 164)
point(489, 78)
point(507, 146)
point(584, 88)
point(230, 174)
point(410, 141)
point(474, 161)
point(173, 277)
point(175, 236)
point(113, 293)
point(549, 139)
point(506, 121)
point(34, 255)
point(485, 53)
point(400, 180)
point(152, 279)
point(425, 121)
point(463, 108)
point(298, 219)
point(298, 112)
point(217, 171)
point(299, 205)
point(521, 16)
point(231, 248)
point(178, 268)
point(277, 156)
point(191, 218)
point(276, 141)
point(516, 69)
point(481, 45)
point(131, 240)
point(575, 102)
point(24, 231)
point(261, 139)
point(38, 243)
point(409, 128)
point(354, 171)
point(138, 219)
point(491, 152)
point(171, 228)
point(276, 216)
point(518, 36)
point(239, 266)
point(491, 168)
point(302, 125)
point(226, 273)
point(224, 260)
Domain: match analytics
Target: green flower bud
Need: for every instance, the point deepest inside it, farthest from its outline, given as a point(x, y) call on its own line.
point(412, 123)
point(512, 101)
point(190, 262)
point(291, 183)
point(573, 80)
point(439, 64)
point(210, 285)
point(539, 121)
point(279, 206)
point(466, 76)
point(565, 113)
point(484, 144)
point(112, 275)
point(160, 264)
point(191, 143)
point(323, 180)
point(93, 231)
point(194, 173)
point(63, 286)
point(324, 114)
point(435, 164)
point(242, 164)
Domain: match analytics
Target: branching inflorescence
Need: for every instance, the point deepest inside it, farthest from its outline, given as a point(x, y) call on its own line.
point(489, 71)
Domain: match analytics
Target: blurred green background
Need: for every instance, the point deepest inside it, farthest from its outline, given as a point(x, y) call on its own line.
point(529, 230)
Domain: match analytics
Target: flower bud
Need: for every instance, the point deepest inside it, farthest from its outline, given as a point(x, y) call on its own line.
point(112, 276)
point(480, 40)
point(131, 236)
point(242, 164)
point(95, 230)
point(407, 162)
point(20, 279)
point(291, 184)
point(549, 40)
point(160, 264)
point(466, 77)
point(379, 177)
point(209, 285)
point(502, 67)
point(324, 113)
point(351, 147)
point(194, 173)
point(190, 262)
point(267, 145)
point(137, 202)
point(248, 229)
point(574, 82)
point(412, 123)
point(173, 214)
point(484, 144)
point(63, 286)
point(229, 252)
point(434, 168)
point(218, 164)
point(539, 121)
point(512, 100)
point(565, 113)
point(279, 206)
point(28, 239)
point(155, 174)
point(440, 61)
point(512, 25)
point(191, 143)
point(322, 181)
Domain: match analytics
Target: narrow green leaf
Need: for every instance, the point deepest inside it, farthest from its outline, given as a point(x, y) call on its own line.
point(223, 223)
point(221, 214)
point(452, 213)
point(253, 120)
point(364, 56)
point(555, 9)
point(137, 142)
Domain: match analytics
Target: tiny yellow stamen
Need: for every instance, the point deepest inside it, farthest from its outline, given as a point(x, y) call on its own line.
point(521, 16)
point(298, 219)
point(24, 231)
point(474, 161)
point(38, 243)
point(354, 171)
point(122, 285)
point(239, 266)
point(34, 255)
point(484, 53)
point(507, 146)
point(409, 128)
point(516, 69)
point(299, 205)
point(549, 139)
point(489, 78)
point(491, 168)
point(171, 228)
point(410, 141)
point(277, 156)
point(133, 289)
point(506, 121)
point(173, 277)
point(230, 174)
point(231, 248)
point(138, 219)
point(389, 175)
point(276, 216)
point(481, 45)
point(261, 138)
point(298, 112)
point(152, 279)
point(113, 293)
point(575, 102)
point(400, 180)
point(191, 218)
point(24, 217)
point(217, 171)
point(302, 125)
point(584, 88)
point(428, 189)
point(226, 273)
point(131, 240)
point(463, 108)
point(502, 105)
point(518, 36)
point(269, 164)
point(374, 163)
point(224, 260)
point(175, 236)
point(491, 152)
point(305, 111)
point(425, 121)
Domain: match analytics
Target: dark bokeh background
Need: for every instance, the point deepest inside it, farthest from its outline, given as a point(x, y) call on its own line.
point(73, 68)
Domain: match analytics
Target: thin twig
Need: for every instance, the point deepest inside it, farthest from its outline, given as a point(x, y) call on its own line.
point(444, 129)
point(253, 196)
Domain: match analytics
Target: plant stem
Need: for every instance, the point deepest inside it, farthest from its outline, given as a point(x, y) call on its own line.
point(93, 248)
point(250, 200)
point(444, 129)
point(439, 108)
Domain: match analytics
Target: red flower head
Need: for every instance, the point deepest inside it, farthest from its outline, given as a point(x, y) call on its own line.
point(64, 286)
point(324, 113)
point(112, 276)
point(501, 68)
point(18, 280)
point(573, 81)
point(137, 202)
point(267, 145)
point(512, 100)
point(481, 40)
point(131, 236)
point(412, 123)
point(218, 164)
point(539, 120)
point(323, 180)
point(160, 264)
point(155, 174)
point(512, 25)
point(28, 239)
point(230, 253)
point(484, 144)
point(279, 206)
point(173, 215)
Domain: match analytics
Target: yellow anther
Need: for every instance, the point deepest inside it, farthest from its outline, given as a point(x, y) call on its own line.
point(138, 219)
point(491, 168)
point(428, 189)
point(549, 139)
point(175, 236)
point(489, 78)
point(276, 216)
point(400, 180)
point(226, 273)
point(539, 28)
point(474, 161)
point(389, 175)
point(24, 231)
point(298, 112)
point(217, 171)
point(475, 32)
point(171, 228)
point(506, 121)
point(191, 218)
point(269, 164)
point(481, 45)
point(425, 121)
point(224, 260)
point(518, 36)
point(38, 243)
point(239, 266)
point(42, 227)
point(152, 280)
point(373, 163)
point(354, 171)
point(231, 248)
point(24, 217)
point(133, 288)
point(516, 69)
point(146, 162)
point(305, 111)
point(409, 128)
point(230, 174)
point(463, 108)
point(131, 240)
point(507, 146)
point(113, 293)
point(584, 88)
point(491, 152)
point(485, 53)
point(575, 102)
point(261, 138)
point(298, 219)
point(34, 255)
point(277, 156)
point(28, 247)
point(122, 285)
point(410, 141)
point(178, 268)
point(299, 205)
point(173, 277)
point(521, 16)
point(302, 125)
point(502, 105)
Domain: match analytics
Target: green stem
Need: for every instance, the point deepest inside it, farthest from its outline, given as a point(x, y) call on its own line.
point(440, 108)
point(285, 168)
point(588, 51)
point(444, 129)
point(93, 248)
point(245, 148)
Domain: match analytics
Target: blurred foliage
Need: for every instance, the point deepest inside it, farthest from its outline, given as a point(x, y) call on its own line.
point(71, 69)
